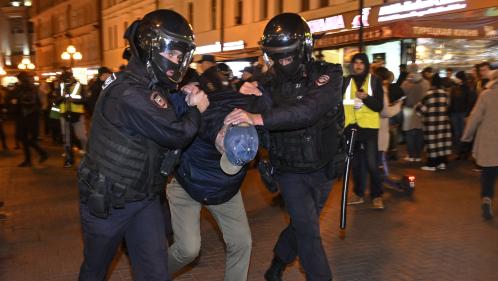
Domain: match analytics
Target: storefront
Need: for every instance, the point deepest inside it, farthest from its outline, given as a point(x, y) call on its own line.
point(452, 33)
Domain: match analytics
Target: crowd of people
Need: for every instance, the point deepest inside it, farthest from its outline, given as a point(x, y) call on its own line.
point(159, 119)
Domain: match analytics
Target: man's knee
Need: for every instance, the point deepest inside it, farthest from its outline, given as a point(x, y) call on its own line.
point(239, 242)
point(185, 251)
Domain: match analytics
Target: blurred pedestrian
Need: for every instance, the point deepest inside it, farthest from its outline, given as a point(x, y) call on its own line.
point(427, 73)
point(433, 108)
point(483, 124)
point(403, 74)
point(483, 74)
point(415, 87)
point(392, 106)
point(3, 110)
point(94, 89)
point(29, 108)
point(460, 101)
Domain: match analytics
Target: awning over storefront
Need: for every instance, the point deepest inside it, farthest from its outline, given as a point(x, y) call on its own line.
point(242, 54)
point(465, 25)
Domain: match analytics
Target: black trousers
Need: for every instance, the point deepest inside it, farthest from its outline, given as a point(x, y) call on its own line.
point(2, 135)
point(488, 181)
point(304, 196)
point(28, 134)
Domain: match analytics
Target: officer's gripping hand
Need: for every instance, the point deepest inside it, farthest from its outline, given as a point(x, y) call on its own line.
point(238, 116)
point(250, 88)
point(199, 99)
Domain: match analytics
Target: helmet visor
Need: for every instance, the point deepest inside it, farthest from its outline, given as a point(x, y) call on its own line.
point(280, 52)
point(171, 56)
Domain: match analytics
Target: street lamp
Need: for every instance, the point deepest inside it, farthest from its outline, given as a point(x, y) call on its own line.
point(26, 64)
point(71, 54)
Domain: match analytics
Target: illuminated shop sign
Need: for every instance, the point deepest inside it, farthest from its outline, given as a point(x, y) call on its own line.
point(216, 47)
point(324, 24)
point(337, 22)
point(418, 8)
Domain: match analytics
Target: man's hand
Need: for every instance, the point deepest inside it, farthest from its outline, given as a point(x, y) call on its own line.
point(361, 95)
point(238, 116)
point(250, 88)
point(199, 99)
point(190, 88)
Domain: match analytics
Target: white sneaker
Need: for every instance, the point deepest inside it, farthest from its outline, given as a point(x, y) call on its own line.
point(355, 200)
point(378, 203)
point(428, 168)
point(417, 159)
point(441, 166)
point(409, 159)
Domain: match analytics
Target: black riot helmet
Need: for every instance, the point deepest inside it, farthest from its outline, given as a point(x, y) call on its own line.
point(286, 35)
point(163, 32)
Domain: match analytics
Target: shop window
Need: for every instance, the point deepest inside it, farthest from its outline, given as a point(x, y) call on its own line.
point(324, 3)
point(238, 12)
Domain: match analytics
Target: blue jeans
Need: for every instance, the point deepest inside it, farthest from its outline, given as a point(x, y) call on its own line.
point(488, 181)
point(304, 196)
point(414, 142)
point(457, 126)
point(142, 225)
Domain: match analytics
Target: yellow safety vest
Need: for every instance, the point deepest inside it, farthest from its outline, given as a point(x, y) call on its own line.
point(75, 91)
point(364, 116)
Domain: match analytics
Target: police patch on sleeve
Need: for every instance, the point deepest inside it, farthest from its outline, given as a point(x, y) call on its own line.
point(322, 80)
point(158, 100)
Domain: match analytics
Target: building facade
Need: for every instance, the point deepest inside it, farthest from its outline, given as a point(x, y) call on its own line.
point(16, 33)
point(60, 23)
point(96, 27)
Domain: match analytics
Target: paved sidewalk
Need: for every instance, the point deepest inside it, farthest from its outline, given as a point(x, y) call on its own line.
point(437, 234)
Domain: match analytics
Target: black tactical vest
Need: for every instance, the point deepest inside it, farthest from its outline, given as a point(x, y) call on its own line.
point(128, 165)
point(308, 149)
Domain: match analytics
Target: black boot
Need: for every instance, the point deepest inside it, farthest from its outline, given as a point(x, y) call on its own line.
point(274, 273)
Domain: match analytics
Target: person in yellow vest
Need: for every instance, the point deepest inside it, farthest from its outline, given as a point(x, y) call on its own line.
point(363, 101)
point(71, 109)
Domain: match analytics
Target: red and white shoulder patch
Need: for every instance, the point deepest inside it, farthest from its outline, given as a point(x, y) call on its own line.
point(158, 100)
point(322, 80)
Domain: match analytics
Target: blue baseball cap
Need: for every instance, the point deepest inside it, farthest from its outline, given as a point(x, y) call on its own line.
point(241, 144)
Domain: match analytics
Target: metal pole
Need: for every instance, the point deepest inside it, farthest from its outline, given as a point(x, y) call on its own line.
point(222, 27)
point(360, 41)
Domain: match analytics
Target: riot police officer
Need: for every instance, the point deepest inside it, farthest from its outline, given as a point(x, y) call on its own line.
point(304, 122)
point(138, 127)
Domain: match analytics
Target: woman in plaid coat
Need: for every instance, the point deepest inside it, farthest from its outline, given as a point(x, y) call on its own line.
point(433, 109)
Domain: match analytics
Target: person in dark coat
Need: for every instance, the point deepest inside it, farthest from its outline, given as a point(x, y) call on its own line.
point(28, 110)
point(461, 99)
point(201, 181)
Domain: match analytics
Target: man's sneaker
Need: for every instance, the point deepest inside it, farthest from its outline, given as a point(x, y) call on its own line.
point(428, 168)
point(417, 159)
point(441, 166)
point(378, 203)
point(487, 208)
point(409, 159)
point(355, 200)
point(68, 164)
